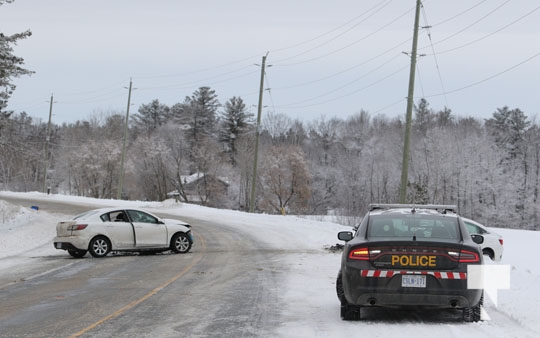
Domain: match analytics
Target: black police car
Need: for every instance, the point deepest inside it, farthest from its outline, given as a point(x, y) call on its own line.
point(409, 255)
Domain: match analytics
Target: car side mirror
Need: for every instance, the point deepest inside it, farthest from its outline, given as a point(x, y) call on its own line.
point(345, 236)
point(478, 239)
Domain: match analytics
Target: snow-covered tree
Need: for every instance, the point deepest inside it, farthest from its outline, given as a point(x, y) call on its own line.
point(235, 121)
point(151, 116)
point(197, 114)
point(508, 127)
point(11, 67)
point(285, 180)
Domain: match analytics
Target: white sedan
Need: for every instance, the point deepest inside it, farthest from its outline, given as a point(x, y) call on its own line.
point(101, 231)
point(493, 242)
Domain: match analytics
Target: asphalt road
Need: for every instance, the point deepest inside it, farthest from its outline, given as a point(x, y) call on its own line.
point(227, 286)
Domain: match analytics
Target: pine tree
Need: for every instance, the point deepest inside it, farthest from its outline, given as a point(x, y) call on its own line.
point(10, 67)
point(197, 114)
point(509, 128)
point(235, 120)
point(151, 116)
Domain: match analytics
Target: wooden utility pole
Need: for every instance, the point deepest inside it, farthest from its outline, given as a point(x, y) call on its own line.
point(121, 182)
point(259, 109)
point(47, 141)
point(408, 118)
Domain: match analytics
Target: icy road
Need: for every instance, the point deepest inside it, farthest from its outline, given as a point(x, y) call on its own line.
point(247, 276)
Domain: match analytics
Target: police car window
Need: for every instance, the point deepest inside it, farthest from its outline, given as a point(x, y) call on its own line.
point(382, 227)
point(408, 226)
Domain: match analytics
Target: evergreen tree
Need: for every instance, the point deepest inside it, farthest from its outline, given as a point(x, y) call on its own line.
point(509, 128)
point(235, 120)
point(197, 114)
point(10, 68)
point(424, 116)
point(151, 116)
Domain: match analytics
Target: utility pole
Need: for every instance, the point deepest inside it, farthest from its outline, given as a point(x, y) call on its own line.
point(259, 109)
point(408, 118)
point(47, 140)
point(121, 182)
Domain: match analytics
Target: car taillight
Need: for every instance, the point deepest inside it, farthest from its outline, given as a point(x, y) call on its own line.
point(359, 254)
point(501, 241)
point(77, 227)
point(468, 257)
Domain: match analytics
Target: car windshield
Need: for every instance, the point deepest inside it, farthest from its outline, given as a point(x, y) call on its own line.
point(421, 226)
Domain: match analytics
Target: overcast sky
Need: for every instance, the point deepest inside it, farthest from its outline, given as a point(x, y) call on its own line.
point(329, 58)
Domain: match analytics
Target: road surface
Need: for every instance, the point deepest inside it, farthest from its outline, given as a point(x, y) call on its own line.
point(226, 286)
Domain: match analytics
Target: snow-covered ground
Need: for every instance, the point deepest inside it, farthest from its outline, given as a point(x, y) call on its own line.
point(312, 307)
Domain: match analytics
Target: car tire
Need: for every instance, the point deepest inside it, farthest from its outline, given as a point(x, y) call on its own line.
point(99, 246)
point(339, 289)
point(348, 311)
point(76, 253)
point(180, 243)
point(474, 313)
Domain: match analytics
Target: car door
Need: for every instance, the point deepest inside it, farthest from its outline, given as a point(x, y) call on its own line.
point(149, 231)
point(119, 229)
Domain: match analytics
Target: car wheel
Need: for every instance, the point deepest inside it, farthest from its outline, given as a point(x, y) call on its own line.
point(339, 289)
point(474, 313)
point(76, 253)
point(180, 243)
point(99, 246)
point(348, 311)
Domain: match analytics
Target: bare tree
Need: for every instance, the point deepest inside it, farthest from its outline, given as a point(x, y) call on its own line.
point(285, 180)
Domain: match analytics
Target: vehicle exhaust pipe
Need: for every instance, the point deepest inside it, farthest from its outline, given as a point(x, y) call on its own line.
point(453, 303)
point(372, 301)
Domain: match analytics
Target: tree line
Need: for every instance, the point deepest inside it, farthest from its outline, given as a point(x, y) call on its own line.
point(490, 169)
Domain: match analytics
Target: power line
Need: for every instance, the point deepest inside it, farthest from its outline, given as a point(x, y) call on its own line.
point(376, 57)
point(352, 43)
point(492, 33)
point(469, 26)
point(198, 70)
point(348, 83)
point(295, 105)
point(331, 31)
point(269, 89)
point(488, 78)
point(333, 38)
point(459, 14)
point(428, 28)
point(205, 80)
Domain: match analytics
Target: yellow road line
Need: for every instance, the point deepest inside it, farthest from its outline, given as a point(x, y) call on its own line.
point(145, 297)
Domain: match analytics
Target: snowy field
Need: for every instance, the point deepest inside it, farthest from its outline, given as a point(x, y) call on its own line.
point(312, 307)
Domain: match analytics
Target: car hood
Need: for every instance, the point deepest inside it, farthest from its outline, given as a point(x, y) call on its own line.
point(170, 221)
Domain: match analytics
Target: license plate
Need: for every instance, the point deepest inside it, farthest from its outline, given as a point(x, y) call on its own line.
point(412, 281)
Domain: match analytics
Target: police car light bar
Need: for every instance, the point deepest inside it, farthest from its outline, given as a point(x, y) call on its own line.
point(444, 208)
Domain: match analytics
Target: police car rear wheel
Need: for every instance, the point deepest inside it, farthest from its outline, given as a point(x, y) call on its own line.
point(474, 313)
point(339, 289)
